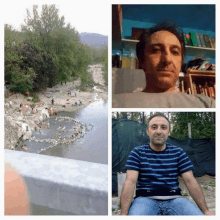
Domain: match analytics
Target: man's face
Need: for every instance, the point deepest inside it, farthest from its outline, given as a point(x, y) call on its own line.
point(162, 61)
point(158, 131)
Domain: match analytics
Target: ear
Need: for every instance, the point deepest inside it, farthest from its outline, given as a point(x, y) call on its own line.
point(147, 131)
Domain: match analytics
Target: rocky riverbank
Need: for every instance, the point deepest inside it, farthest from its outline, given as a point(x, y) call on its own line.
point(23, 116)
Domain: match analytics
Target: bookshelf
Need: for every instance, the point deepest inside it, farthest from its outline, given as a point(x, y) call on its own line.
point(198, 82)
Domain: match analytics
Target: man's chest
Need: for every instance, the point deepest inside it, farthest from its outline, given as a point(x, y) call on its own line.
point(158, 164)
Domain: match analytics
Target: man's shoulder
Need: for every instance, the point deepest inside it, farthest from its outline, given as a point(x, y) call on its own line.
point(174, 148)
point(206, 100)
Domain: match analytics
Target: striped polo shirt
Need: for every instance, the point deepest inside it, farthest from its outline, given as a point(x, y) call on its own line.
point(158, 170)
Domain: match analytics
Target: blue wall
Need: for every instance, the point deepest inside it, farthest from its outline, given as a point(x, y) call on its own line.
point(201, 17)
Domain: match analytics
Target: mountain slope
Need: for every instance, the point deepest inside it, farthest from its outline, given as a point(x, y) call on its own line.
point(95, 40)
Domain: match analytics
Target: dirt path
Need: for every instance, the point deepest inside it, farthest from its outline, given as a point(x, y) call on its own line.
point(20, 121)
point(206, 182)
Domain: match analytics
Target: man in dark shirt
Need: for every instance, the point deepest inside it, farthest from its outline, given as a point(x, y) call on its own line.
point(156, 168)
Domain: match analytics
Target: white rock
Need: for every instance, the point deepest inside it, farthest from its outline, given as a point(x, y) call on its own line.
point(27, 135)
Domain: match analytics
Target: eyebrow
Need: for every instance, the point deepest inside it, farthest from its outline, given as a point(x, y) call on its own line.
point(161, 45)
point(159, 125)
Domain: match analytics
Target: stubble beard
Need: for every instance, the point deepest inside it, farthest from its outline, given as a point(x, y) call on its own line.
point(158, 142)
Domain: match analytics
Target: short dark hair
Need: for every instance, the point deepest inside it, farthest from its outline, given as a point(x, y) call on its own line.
point(144, 38)
point(157, 114)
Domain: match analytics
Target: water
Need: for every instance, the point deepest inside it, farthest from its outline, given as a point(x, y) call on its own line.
point(93, 147)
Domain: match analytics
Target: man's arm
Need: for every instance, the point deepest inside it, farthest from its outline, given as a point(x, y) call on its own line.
point(195, 191)
point(128, 190)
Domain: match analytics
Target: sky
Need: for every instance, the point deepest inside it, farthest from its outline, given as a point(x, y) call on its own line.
point(84, 16)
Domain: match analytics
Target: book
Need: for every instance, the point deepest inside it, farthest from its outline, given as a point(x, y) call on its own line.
point(194, 88)
point(184, 38)
point(210, 41)
point(206, 39)
point(202, 40)
point(198, 40)
point(213, 41)
point(188, 39)
point(211, 92)
point(201, 91)
point(205, 87)
point(206, 93)
point(182, 86)
point(193, 39)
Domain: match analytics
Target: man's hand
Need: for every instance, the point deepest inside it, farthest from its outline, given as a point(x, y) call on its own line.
point(208, 213)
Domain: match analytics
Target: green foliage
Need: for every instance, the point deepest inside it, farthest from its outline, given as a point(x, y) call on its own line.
point(185, 194)
point(105, 63)
point(45, 52)
point(42, 65)
point(35, 97)
point(135, 116)
point(202, 124)
point(17, 78)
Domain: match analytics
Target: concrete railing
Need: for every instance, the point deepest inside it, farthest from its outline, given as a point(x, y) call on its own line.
point(67, 185)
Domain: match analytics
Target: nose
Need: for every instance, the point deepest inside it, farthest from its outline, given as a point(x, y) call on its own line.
point(158, 131)
point(166, 57)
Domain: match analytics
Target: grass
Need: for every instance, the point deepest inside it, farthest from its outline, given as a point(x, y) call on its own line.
point(185, 194)
point(211, 183)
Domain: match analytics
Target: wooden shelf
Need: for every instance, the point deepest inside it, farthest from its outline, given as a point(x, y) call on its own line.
point(200, 82)
point(199, 48)
point(201, 72)
point(130, 40)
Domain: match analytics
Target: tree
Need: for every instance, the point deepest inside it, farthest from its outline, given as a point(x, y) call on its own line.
point(105, 63)
point(39, 28)
point(42, 65)
point(201, 124)
point(61, 42)
point(17, 78)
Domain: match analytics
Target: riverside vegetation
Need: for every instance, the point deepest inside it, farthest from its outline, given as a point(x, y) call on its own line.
point(47, 51)
point(46, 61)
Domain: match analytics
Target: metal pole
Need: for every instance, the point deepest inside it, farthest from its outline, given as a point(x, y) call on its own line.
point(189, 130)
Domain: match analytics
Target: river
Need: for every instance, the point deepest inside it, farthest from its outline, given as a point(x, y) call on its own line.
point(92, 147)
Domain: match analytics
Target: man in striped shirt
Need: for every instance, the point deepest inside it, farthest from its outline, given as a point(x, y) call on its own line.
point(155, 168)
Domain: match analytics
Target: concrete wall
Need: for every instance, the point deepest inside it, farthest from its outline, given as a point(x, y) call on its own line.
point(67, 185)
point(127, 80)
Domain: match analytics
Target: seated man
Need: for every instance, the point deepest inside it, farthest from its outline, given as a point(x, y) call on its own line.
point(155, 167)
point(161, 54)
